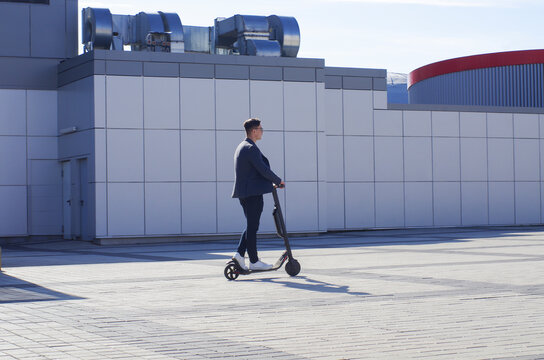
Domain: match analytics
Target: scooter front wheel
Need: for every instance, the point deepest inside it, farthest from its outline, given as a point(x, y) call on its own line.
point(231, 272)
point(292, 267)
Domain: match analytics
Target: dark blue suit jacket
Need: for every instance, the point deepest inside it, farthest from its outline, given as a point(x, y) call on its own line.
point(252, 171)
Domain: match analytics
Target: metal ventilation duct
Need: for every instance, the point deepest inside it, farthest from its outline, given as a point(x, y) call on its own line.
point(285, 30)
point(97, 31)
point(258, 35)
point(151, 32)
point(164, 32)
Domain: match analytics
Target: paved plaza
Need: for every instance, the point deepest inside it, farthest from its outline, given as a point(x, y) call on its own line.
point(474, 293)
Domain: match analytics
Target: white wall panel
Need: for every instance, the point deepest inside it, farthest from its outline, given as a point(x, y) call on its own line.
point(447, 203)
point(527, 202)
point(542, 202)
point(445, 123)
point(473, 159)
point(541, 125)
point(320, 94)
point(230, 215)
point(13, 210)
point(300, 106)
point(99, 101)
point(101, 208)
point(418, 203)
point(12, 112)
point(388, 122)
point(126, 209)
point(197, 103)
point(300, 156)
point(335, 206)
point(418, 164)
point(42, 147)
point(541, 160)
point(198, 155)
point(125, 155)
point(41, 113)
point(500, 125)
point(301, 206)
point(323, 205)
point(417, 123)
point(198, 208)
point(266, 104)
point(380, 99)
point(161, 103)
point(272, 147)
point(124, 102)
point(227, 142)
point(321, 156)
point(359, 158)
point(389, 204)
point(358, 112)
point(474, 203)
point(232, 104)
point(45, 209)
point(162, 155)
point(79, 143)
point(44, 172)
point(12, 160)
point(500, 159)
point(388, 159)
point(335, 158)
point(473, 124)
point(526, 126)
point(333, 112)
point(446, 165)
point(359, 205)
point(501, 203)
point(526, 159)
point(162, 208)
point(75, 105)
point(100, 167)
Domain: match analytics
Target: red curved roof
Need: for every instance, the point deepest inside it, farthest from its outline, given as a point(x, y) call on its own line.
point(476, 62)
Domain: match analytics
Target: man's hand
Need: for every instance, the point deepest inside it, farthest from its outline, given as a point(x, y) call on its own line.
point(280, 186)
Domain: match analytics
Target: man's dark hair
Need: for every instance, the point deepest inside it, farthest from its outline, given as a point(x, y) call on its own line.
point(250, 124)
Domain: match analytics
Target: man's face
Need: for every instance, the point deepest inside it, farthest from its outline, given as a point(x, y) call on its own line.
point(258, 132)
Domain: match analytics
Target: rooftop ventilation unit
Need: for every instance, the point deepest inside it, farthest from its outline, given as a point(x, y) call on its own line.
point(164, 32)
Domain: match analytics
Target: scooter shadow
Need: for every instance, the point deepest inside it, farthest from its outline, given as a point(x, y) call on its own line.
point(310, 285)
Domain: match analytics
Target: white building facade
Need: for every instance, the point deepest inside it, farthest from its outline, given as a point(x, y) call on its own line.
point(112, 146)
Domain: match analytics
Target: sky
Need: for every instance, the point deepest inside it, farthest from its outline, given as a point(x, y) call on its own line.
point(397, 35)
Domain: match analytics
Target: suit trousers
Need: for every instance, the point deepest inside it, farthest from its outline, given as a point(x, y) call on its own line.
point(253, 208)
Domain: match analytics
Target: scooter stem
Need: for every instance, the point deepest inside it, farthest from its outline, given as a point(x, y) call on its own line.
point(281, 224)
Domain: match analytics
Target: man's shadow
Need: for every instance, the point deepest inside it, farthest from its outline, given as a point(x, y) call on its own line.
point(311, 285)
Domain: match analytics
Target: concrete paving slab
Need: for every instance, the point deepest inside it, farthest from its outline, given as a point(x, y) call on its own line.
point(471, 293)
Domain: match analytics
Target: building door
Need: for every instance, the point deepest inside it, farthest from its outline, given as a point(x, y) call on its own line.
point(83, 191)
point(67, 199)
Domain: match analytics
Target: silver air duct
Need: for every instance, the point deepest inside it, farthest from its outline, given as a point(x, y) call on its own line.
point(258, 35)
point(97, 29)
point(285, 30)
point(163, 32)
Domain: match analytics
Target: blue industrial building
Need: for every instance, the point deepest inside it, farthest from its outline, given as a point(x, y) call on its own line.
point(513, 78)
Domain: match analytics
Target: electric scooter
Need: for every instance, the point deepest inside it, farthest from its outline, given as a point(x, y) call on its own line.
point(233, 269)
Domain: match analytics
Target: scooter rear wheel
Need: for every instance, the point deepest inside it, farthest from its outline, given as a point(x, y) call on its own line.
point(231, 272)
point(292, 267)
